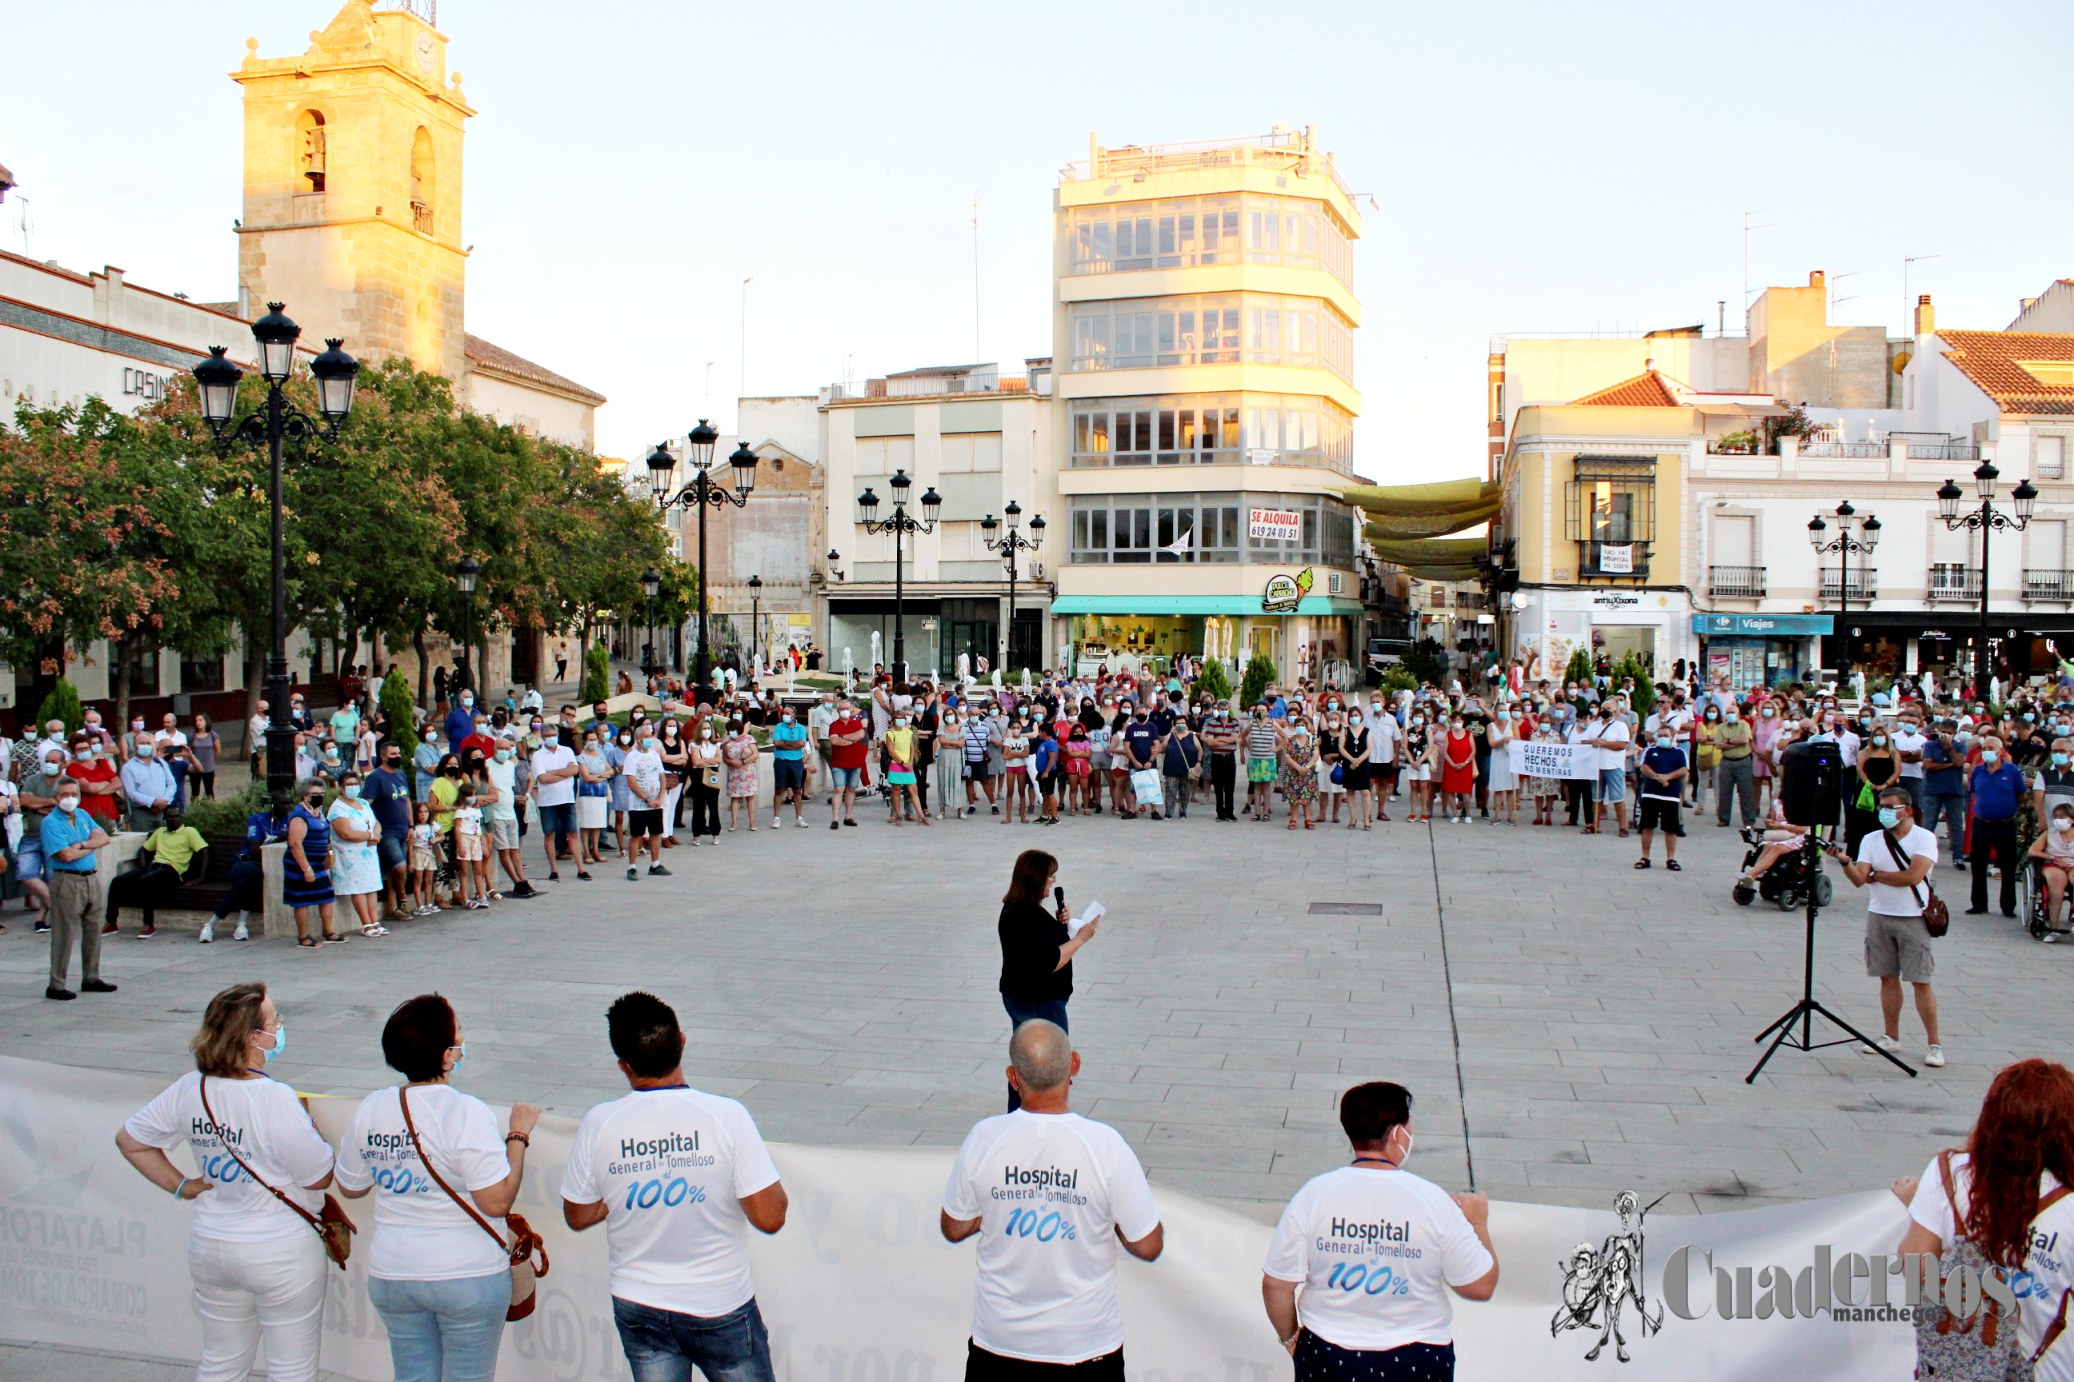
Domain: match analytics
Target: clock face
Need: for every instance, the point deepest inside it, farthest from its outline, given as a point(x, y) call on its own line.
point(425, 53)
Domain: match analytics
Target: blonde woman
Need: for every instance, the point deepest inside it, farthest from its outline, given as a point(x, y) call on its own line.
point(257, 1265)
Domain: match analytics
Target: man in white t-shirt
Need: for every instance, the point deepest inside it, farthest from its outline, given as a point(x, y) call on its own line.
point(1897, 941)
point(678, 1177)
point(554, 792)
point(1909, 740)
point(644, 778)
point(500, 817)
point(1375, 1250)
point(1049, 1195)
point(1608, 733)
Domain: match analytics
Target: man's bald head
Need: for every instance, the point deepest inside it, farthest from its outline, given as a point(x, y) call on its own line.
point(1042, 1055)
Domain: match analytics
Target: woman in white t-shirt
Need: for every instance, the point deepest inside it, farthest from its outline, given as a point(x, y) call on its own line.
point(257, 1265)
point(1374, 1251)
point(440, 1281)
point(2007, 1199)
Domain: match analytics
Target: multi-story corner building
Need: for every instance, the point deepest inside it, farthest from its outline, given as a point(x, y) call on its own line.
point(1203, 331)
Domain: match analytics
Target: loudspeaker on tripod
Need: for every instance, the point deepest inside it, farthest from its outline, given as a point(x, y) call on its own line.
point(1811, 782)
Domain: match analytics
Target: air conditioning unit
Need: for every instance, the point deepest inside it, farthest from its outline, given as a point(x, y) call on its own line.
point(1333, 581)
point(1036, 570)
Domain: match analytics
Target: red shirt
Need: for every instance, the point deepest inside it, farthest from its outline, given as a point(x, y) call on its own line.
point(848, 755)
point(99, 805)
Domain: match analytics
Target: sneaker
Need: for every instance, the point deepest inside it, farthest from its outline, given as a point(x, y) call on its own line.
point(800, 821)
point(241, 934)
point(147, 933)
point(208, 933)
point(658, 871)
point(1934, 1056)
point(835, 825)
point(42, 928)
point(1890, 1045)
point(777, 823)
point(632, 873)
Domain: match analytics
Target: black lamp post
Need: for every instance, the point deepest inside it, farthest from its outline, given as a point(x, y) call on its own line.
point(1984, 520)
point(835, 570)
point(700, 493)
point(465, 572)
point(1008, 545)
point(756, 617)
point(651, 586)
point(1844, 543)
point(272, 423)
point(899, 523)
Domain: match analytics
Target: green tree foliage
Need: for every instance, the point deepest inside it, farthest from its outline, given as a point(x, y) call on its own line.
point(1644, 696)
point(1426, 661)
point(1398, 679)
point(597, 674)
point(1579, 672)
point(61, 704)
point(1212, 680)
point(396, 702)
point(1260, 674)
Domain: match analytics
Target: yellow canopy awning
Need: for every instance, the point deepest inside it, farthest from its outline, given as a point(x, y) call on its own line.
point(1423, 511)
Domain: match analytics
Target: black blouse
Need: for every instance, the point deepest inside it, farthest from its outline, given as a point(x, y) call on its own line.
point(1030, 939)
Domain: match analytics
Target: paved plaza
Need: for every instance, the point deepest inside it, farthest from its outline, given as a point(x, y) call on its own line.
point(1568, 1025)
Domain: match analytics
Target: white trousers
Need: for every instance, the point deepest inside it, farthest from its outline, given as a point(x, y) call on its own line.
point(246, 1292)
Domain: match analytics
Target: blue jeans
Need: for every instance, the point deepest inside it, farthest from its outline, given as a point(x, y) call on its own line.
point(1019, 1012)
point(663, 1346)
point(1952, 807)
point(443, 1331)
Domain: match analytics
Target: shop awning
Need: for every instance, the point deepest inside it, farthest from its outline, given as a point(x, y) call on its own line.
point(1196, 604)
point(1764, 625)
point(1425, 511)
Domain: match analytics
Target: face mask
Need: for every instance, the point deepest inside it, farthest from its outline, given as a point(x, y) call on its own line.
point(1890, 816)
point(504, 755)
point(705, 734)
point(1505, 714)
point(460, 1054)
point(2028, 717)
point(1990, 755)
point(352, 791)
point(467, 699)
point(788, 717)
point(2059, 760)
point(280, 1043)
point(137, 725)
point(68, 804)
point(2062, 824)
point(1732, 715)
point(901, 723)
point(1879, 741)
point(1663, 741)
point(313, 800)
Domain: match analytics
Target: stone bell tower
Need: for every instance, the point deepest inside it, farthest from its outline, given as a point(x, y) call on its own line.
point(353, 187)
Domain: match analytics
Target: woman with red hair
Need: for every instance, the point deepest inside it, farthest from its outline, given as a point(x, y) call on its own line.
point(2007, 1195)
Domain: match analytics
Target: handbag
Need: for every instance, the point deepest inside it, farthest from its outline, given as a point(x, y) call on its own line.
point(525, 1243)
point(332, 1226)
point(1937, 918)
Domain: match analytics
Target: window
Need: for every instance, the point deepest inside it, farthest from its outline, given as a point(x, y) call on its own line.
point(421, 181)
point(1210, 329)
point(1134, 529)
point(199, 673)
point(140, 663)
point(2049, 457)
point(967, 452)
point(884, 455)
point(1213, 429)
point(1612, 505)
point(1184, 231)
point(310, 155)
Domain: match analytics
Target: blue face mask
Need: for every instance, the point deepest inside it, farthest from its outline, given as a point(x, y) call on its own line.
point(460, 1054)
point(1890, 816)
point(280, 1042)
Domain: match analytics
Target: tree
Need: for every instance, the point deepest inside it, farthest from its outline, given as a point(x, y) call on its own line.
point(1211, 681)
point(1579, 672)
point(597, 674)
point(61, 704)
point(1260, 674)
point(1644, 695)
point(1426, 661)
point(398, 705)
point(1398, 679)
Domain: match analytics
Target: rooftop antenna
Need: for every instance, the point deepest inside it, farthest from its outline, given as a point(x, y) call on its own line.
point(1835, 279)
point(1747, 228)
point(1908, 320)
point(22, 224)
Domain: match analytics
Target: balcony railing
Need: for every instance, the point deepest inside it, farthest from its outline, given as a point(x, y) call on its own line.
point(2048, 585)
point(1283, 150)
point(930, 386)
point(1736, 582)
point(1857, 450)
point(421, 217)
point(1865, 585)
point(1954, 584)
point(1943, 451)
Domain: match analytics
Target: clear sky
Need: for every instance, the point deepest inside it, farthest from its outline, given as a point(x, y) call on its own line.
point(1535, 167)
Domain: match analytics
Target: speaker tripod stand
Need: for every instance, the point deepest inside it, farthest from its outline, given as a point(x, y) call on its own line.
point(1782, 1031)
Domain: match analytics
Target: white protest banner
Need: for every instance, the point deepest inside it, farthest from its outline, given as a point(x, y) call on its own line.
point(1617, 559)
point(1532, 758)
point(861, 1287)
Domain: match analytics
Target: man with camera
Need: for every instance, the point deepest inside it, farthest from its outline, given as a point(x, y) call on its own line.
point(1896, 861)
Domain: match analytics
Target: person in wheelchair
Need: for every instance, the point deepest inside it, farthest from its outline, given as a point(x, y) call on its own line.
point(1778, 840)
point(2054, 851)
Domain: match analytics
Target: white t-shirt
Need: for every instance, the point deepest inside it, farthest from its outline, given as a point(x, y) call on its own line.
point(2048, 1268)
point(673, 1166)
point(1907, 742)
point(1613, 728)
point(504, 777)
point(1049, 1189)
point(1887, 899)
point(646, 771)
point(1375, 1251)
point(265, 1122)
point(1848, 741)
point(419, 1233)
point(1383, 734)
point(552, 758)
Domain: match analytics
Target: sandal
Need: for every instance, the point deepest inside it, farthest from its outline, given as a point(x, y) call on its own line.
point(1674, 866)
point(333, 939)
point(1641, 863)
point(375, 930)
point(308, 941)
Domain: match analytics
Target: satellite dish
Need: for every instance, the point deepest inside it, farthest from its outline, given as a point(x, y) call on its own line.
point(1901, 359)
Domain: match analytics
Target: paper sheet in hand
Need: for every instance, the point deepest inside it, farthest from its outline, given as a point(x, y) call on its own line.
point(1093, 913)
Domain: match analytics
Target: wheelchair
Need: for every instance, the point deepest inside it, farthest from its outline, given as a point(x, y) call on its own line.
point(2037, 911)
point(1786, 883)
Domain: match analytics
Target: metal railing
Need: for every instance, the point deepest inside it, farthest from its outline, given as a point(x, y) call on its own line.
point(931, 386)
point(421, 217)
point(1736, 582)
point(1856, 450)
point(1282, 149)
point(1865, 585)
point(1943, 451)
point(2048, 585)
point(1954, 584)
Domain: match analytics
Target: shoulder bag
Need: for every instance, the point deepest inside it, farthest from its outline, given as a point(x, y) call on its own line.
point(1937, 918)
point(525, 1243)
point(1953, 1347)
point(332, 1226)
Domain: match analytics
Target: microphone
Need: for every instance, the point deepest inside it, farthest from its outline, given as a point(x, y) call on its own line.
point(1058, 895)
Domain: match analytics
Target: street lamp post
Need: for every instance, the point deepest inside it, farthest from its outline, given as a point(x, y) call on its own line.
point(899, 523)
point(651, 586)
point(1844, 543)
point(700, 493)
point(1008, 545)
point(756, 618)
point(272, 423)
point(465, 572)
point(1984, 520)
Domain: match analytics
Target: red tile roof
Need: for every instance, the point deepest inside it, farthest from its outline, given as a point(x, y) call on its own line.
point(1994, 361)
point(1645, 390)
point(498, 360)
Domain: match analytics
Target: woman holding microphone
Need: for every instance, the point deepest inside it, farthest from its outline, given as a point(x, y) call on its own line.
point(1036, 950)
point(257, 1265)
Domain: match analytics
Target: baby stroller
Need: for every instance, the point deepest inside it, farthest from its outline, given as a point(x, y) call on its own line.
point(1786, 882)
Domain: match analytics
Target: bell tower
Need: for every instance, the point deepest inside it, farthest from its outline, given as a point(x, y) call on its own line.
point(353, 187)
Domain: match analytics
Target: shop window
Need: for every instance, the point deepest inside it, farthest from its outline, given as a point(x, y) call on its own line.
point(200, 673)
